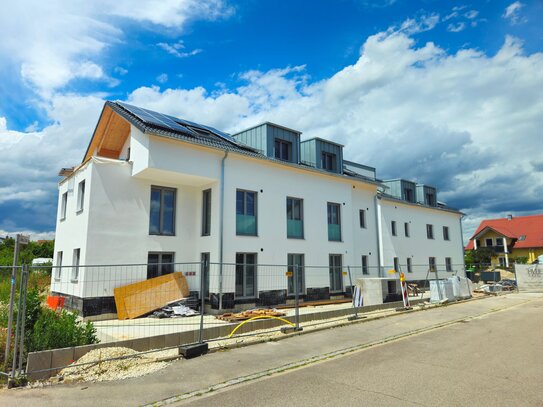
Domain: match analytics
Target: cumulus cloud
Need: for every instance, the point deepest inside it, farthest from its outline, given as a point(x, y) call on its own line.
point(55, 47)
point(465, 122)
point(512, 13)
point(456, 27)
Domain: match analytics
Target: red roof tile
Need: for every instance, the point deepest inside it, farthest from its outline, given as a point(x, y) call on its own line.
point(530, 226)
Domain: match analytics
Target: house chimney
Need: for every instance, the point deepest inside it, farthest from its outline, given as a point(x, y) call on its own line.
point(509, 217)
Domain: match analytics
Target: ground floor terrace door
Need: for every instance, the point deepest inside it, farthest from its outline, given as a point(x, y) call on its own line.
point(245, 275)
point(336, 275)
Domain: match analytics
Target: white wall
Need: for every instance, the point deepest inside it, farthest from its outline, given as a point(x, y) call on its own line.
point(418, 247)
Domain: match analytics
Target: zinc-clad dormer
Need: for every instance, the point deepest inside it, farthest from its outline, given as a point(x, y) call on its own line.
point(323, 154)
point(273, 141)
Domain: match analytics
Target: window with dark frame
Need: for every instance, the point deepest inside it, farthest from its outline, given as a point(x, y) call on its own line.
point(58, 266)
point(409, 265)
point(408, 194)
point(432, 263)
point(246, 213)
point(362, 216)
point(205, 267)
point(295, 218)
point(393, 227)
point(489, 242)
point(283, 150)
point(296, 260)
point(80, 196)
point(159, 264)
point(162, 211)
point(446, 233)
point(206, 212)
point(75, 264)
point(63, 205)
point(430, 231)
point(328, 161)
point(245, 286)
point(448, 264)
point(334, 222)
point(365, 265)
point(336, 272)
point(397, 264)
point(406, 229)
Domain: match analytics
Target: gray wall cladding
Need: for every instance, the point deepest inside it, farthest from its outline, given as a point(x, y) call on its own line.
point(422, 190)
point(312, 151)
point(263, 138)
point(398, 186)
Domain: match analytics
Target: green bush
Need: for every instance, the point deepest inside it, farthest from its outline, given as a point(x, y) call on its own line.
point(62, 329)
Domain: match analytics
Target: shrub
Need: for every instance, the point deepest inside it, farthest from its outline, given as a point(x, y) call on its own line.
point(54, 330)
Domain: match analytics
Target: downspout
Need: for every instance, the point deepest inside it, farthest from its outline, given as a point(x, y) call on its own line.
point(462, 243)
point(221, 231)
point(379, 234)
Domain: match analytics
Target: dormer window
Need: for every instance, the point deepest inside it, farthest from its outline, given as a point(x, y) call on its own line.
point(430, 199)
point(328, 161)
point(521, 238)
point(283, 150)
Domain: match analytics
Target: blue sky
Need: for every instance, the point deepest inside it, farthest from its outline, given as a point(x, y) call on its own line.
point(446, 93)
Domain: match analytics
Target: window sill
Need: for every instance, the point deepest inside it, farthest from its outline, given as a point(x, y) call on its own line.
point(62, 219)
point(79, 211)
point(296, 237)
point(161, 234)
point(244, 235)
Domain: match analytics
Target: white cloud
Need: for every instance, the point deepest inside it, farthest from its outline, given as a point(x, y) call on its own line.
point(421, 24)
point(162, 78)
point(471, 14)
point(512, 13)
point(456, 27)
point(177, 49)
point(52, 43)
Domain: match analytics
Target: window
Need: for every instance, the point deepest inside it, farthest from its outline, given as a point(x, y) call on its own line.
point(159, 264)
point(409, 265)
point(328, 161)
point(430, 231)
point(336, 273)
point(206, 212)
point(245, 213)
point(283, 150)
point(408, 194)
point(80, 196)
point(296, 267)
point(362, 216)
point(63, 205)
point(406, 229)
point(521, 238)
point(432, 263)
point(488, 242)
point(162, 212)
point(334, 222)
point(430, 200)
point(391, 286)
point(245, 275)
point(75, 265)
point(397, 264)
point(204, 261)
point(446, 233)
point(478, 242)
point(448, 264)
point(365, 265)
point(499, 242)
point(58, 266)
point(295, 218)
point(393, 227)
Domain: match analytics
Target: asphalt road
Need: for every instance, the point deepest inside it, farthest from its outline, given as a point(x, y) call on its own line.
point(492, 360)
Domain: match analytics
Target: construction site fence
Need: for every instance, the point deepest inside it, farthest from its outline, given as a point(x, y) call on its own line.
point(195, 311)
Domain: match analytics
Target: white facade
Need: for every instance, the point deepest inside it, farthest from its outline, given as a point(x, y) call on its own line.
point(113, 226)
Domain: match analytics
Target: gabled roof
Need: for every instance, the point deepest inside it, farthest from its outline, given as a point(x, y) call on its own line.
point(531, 227)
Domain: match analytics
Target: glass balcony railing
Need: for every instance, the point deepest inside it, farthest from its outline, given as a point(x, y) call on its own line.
point(334, 232)
point(246, 225)
point(295, 228)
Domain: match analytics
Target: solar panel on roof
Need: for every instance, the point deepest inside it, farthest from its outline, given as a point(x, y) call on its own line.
point(154, 118)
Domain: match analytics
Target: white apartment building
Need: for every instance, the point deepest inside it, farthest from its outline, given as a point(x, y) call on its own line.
point(154, 189)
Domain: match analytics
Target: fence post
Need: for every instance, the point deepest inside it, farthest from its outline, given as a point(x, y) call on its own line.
point(23, 317)
point(296, 298)
point(202, 300)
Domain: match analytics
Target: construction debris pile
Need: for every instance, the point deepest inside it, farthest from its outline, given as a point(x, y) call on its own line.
point(93, 366)
point(182, 308)
point(242, 316)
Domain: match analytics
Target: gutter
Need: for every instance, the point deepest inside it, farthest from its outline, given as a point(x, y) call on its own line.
point(221, 231)
point(379, 234)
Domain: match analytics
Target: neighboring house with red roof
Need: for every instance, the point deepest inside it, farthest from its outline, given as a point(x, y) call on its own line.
point(510, 238)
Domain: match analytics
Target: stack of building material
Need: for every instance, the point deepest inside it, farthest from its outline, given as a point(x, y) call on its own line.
point(134, 300)
point(242, 316)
